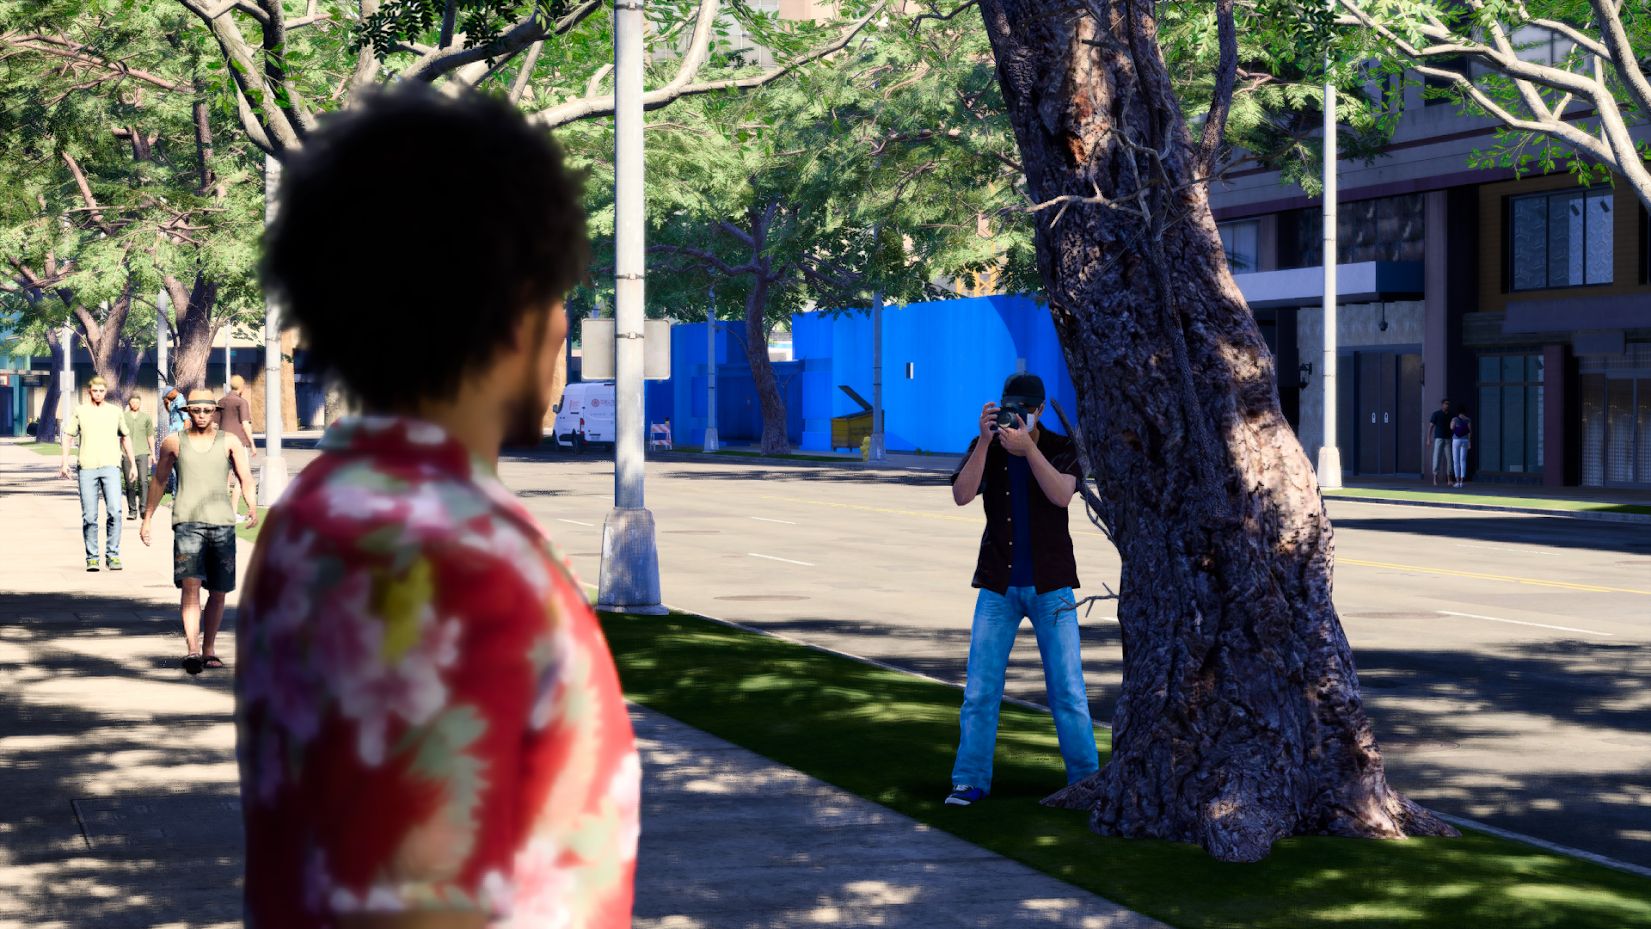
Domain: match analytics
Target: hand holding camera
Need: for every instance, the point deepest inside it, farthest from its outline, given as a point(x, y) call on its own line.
point(988, 422)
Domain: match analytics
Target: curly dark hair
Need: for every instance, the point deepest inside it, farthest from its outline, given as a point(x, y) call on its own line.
point(413, 231)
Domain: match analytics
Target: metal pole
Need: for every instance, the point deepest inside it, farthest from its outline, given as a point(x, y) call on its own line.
point(229, 341)
point(711, 443)
point(163, 335)
point(630, 560)
point(1329, 470)
point(877, 452)
point(273, 482)
point(66, 404)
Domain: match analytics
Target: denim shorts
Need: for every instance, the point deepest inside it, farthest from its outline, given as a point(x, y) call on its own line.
point(204, 552)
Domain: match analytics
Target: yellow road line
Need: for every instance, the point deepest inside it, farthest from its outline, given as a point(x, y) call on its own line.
point(1535, 582)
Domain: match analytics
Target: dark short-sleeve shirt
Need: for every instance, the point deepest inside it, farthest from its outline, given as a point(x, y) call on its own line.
point(1440, 421)
point(1053, 564)
point(233, 413)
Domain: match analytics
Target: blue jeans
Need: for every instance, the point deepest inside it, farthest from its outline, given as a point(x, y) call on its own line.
point(997, 618)
point(95, 483)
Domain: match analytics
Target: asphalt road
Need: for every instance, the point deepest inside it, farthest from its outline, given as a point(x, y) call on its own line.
point(1503, 657)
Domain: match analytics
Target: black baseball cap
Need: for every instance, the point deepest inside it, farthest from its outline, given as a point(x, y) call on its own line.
point(1024, 389)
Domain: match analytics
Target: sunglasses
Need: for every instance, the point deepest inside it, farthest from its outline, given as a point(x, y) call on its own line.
point(201, 409)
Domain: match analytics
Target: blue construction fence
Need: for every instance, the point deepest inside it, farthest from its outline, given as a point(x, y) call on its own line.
point(941, 361)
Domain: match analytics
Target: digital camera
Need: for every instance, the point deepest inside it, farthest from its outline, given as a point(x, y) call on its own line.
point(1008, 411)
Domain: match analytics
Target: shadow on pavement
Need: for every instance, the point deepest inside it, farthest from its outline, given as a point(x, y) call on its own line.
point(118, 787)
point(1557, 531)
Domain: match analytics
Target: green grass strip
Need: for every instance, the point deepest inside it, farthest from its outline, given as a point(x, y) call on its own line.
point(1529, 503)
point(49, 449)
point(889, 737)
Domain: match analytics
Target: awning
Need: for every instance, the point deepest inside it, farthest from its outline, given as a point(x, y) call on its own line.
point(1361, 282)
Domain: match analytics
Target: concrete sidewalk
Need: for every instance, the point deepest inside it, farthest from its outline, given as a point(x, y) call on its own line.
point(118, 785)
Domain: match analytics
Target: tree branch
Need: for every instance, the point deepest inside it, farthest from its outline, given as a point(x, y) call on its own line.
point(276, 130)
point(1622, 54)
point(682, 86)
point(61, 47)
point(1221, 100)
point(443, 60)
point(708, 259)
point(86, 194)
point(525, 75)
point(449, 16)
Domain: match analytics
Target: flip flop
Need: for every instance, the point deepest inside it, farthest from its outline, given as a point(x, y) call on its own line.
point(211, 661)
point(192, 663)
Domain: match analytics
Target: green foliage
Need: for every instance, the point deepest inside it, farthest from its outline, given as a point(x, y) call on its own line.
point(134, 142)
point(1277, 111)
point(1522, 149)
point(877, 167)
point(481, 21)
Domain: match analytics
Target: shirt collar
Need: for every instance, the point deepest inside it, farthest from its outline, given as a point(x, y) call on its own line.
point(405, 438)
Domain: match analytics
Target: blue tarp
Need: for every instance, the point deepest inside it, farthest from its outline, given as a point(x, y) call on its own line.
point(941, 361)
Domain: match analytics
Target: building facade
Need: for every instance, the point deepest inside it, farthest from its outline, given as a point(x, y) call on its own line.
point(1526, 299)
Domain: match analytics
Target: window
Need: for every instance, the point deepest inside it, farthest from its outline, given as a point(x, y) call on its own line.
point(1384, 229)
point(1507, 423)
point(1561, 239)
point(1434, 86)
point(1242, 242)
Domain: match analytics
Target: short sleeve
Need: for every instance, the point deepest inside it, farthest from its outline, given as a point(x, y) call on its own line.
point(958, 472)
point(72, 427)
point(1066, 460)
point(121, 425)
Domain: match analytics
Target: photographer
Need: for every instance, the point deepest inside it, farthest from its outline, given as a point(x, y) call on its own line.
point(1026, 569)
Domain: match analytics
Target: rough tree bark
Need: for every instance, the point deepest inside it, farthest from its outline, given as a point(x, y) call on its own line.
point(47, 431)
point(193, 328)
point(113, 356)
point(1240, 721)
point(763, 274)
point(775, 441)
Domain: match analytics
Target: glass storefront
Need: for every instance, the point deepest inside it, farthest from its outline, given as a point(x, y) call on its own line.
point(1508, 419)
point(1616, 418)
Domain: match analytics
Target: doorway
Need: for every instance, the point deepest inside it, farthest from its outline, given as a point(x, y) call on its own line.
point(1387, 413)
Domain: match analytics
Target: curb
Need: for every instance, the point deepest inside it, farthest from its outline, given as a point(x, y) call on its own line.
point(1640, 518)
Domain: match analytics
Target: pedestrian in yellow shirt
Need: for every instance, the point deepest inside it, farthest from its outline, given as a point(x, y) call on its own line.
point(102, 439)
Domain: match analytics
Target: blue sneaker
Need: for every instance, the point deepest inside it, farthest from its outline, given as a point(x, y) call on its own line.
point(963, 795)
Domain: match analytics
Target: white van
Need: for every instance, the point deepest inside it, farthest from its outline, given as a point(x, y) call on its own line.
point(585, 415)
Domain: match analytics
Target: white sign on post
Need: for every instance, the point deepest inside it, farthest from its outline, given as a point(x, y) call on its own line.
point(596, 340)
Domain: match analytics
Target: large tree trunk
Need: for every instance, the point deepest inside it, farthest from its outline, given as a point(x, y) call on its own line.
point(1240, 720)
point(195, 329)
point(772, 404)
point(47, 430)
point(107, 340)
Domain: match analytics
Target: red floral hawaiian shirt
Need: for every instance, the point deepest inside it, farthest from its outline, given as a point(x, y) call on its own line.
point(428, 716)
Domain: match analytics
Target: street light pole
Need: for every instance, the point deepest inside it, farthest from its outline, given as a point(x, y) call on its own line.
point(877, 452)
point(630, 560)
point(66, 387)
point(163, 335)
point(711, 443)
point(273, 482)
point(1329, 469)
